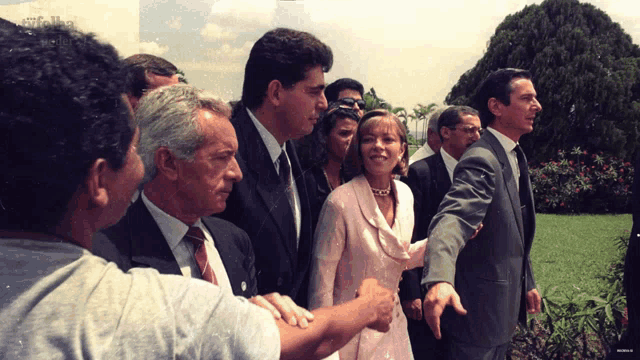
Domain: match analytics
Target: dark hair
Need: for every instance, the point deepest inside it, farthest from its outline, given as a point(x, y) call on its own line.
point(62, 108)
point(285, 55)
point(312, 148)
point(138, 65)
point(332, 91)
point(496, 85)
point(354, 166)
point(452, 116)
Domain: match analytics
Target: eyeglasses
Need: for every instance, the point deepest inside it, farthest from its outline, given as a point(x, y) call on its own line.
point(469, 130)
point(351, 101)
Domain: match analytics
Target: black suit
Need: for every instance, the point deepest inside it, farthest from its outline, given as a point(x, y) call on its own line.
point(137, 241)
point(429, 182)
point(258, 204)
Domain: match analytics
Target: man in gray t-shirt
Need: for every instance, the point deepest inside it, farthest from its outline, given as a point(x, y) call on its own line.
point(68, 168)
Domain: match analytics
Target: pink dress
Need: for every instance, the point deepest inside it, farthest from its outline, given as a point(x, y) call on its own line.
point(353, 241)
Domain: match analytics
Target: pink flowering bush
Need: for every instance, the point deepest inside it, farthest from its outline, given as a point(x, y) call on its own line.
point(579, 182)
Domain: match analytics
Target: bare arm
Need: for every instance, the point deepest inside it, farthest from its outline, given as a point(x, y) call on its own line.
point(334, 326)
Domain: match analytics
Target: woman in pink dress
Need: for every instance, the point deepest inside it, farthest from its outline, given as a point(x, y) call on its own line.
point(364, 231)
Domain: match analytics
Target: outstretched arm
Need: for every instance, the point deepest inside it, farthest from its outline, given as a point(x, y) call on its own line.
point(334, 326)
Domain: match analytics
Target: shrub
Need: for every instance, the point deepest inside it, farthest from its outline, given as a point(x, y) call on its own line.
point(576, 327)
point(579, 182)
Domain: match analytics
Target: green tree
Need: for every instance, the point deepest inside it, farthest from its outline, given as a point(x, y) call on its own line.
point(421, 113)
point(374, 102)
point(586, 71)
point(183, 78)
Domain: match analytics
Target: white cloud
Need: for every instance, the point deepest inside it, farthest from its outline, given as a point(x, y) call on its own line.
point(175, 23)
point(153, 48)
point(245, 14)
point(226, 53)
point(213, 32)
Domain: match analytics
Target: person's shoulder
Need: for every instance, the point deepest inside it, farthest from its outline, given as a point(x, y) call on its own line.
point(226, 229)
point(402, 188)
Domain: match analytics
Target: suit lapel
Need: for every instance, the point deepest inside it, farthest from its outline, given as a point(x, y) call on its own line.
point(509, 180)
point(268, 186)
point(148, 245)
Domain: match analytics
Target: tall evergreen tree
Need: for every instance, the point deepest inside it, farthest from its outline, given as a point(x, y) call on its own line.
point(586, 71)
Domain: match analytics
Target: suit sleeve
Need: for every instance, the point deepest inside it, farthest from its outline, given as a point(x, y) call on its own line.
point(329, 244)
point(462, 210)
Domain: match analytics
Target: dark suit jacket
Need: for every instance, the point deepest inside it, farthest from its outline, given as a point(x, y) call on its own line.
point(136, 241)
point(258, 204)
point(492, 272)
point(429, 182)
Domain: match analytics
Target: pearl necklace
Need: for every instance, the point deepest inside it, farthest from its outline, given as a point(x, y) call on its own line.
point(381, 192)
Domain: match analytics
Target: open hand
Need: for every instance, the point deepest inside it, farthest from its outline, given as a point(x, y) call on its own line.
point(438, 297)
point(281, 306)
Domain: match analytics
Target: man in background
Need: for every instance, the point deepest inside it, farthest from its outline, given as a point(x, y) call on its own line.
point(147, 72)
point(433, 139)
point(347, 92)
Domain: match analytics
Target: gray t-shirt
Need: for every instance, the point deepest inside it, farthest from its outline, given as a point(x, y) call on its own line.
point(58, 300)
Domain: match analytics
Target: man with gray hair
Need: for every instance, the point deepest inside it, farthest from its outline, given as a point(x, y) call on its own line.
point(187, 146)
point(433, 143)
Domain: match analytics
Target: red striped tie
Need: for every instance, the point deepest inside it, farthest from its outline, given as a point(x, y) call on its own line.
point(196, 236)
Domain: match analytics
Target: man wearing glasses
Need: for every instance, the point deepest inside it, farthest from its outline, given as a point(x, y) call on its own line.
point(429, 180)
point(347, 92)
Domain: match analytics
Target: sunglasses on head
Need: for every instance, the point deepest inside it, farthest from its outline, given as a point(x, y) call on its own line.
point(352, 101)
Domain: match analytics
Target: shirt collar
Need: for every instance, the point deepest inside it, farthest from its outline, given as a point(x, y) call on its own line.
point(268, 139)
point(173, 229)
point(449, 162)
point(508, 144)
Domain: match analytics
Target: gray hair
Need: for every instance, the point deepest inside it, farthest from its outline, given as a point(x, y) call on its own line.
point(433, 119)
point(168, 116)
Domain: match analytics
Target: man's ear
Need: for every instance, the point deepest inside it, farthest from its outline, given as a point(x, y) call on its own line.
point(97, 182)
point(166, 163)
point(274, 92)
point(445, 132)
point(495, 106)
point(132, 102)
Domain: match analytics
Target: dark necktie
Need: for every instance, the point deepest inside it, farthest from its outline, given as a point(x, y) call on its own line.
point(524, 189)
point(285, 177)
point(196, 236)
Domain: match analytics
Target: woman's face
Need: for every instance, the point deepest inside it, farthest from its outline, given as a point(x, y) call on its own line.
point(340, 137)
point(381, 148)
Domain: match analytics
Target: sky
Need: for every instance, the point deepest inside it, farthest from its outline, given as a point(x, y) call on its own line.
point(410, 51)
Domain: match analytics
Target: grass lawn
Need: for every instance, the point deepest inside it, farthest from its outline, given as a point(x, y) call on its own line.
point(571, 251)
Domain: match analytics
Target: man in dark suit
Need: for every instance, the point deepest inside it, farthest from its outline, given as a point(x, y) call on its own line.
point(492, 274)
point(189, 170)
point(429, 179)
point(282, 98)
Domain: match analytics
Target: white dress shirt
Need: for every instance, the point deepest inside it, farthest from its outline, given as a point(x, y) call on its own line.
point(424, 152)
point(274, 152)
point(174, 231)
point(509, 147)
point(449, 162)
